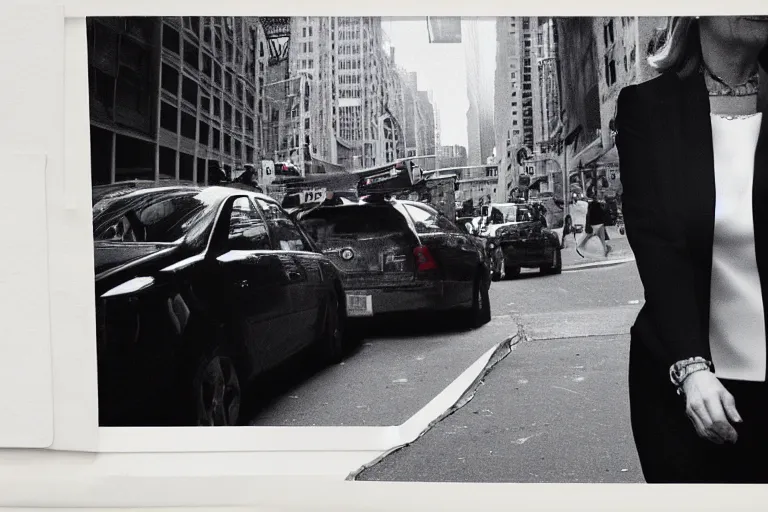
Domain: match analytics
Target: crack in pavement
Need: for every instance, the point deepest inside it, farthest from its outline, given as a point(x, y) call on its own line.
point(502, 351)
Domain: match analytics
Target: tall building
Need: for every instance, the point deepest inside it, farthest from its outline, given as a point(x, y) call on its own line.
point(480, 114)
point(428, 129)
point(452, 156)
point(353, 89)
point(436, 110)
point(173, 97)
point(598, 57)
point(527, 99)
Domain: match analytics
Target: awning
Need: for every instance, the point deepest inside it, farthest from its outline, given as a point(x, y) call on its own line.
point(608, 158)
point(591, 152)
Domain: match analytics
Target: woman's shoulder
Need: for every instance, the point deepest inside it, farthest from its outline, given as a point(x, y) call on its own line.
point(657, 89)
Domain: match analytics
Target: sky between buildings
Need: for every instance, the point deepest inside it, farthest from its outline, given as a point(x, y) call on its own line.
point(440, 67)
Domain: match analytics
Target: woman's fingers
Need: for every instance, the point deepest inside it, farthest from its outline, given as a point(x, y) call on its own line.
point(729, 405)
point(698, 425)
point(720, 423)
point(698, 412)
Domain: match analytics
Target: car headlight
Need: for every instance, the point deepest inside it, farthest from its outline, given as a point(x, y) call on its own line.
point(491, 245)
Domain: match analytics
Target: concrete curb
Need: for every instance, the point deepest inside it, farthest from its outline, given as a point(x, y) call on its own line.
point(461, 391)
point(598, 264)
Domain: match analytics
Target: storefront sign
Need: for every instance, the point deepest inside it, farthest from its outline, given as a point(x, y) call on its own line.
point(313, 195)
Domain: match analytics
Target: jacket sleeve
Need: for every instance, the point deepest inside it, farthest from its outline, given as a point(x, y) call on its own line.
point(661, 253)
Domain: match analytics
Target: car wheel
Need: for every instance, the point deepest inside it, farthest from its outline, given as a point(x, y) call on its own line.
point(513, 272)
point(332, 346)
point(499, 270)
point(217, 392)
point(556, 264)
point(480, 313)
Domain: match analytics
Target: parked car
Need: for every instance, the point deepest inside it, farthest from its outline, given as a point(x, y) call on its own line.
point(516, 238)
point(397, 255)
point(198, 291)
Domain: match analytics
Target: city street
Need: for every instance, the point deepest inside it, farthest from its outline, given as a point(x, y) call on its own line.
point(554, 410)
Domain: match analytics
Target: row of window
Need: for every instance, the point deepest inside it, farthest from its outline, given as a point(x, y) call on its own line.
point(190, 90)
point(187, 126)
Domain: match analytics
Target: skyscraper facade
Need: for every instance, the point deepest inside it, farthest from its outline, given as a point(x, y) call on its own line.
point(480, 114)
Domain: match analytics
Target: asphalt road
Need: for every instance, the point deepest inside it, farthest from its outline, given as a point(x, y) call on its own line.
point(402, 364)
point(555, 410)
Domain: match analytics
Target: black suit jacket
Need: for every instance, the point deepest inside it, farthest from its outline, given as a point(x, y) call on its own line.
point(664, 140)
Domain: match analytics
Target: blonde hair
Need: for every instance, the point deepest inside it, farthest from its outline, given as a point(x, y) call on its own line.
point(680, 51)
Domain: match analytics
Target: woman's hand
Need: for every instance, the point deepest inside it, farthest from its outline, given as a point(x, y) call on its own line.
point(710, 407)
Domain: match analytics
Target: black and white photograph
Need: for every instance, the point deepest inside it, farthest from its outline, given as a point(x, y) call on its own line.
point(337, 221)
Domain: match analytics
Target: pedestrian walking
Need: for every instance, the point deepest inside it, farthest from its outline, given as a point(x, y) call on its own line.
point(595, 226)
point(693, 156)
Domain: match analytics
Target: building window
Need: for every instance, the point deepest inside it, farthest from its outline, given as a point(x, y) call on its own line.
point(202, 137)
point(188, 125)
point(191, 55)
point(205, 104)
point(189, 91)
point(207, 65)
point(227, 112)
point(238, 149)
point(227, 144)
point(310, 31)
point(170, 79)
point(310, 47)
point(169, 117)
point(304, 32)
point(228, 82)
point(171, 39)
point(216, 142)
point(612, 72)
point(240, 90)
point(216, 107)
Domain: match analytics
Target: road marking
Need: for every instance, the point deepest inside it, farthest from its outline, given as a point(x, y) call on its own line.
point(399, 381)
point(569, 390)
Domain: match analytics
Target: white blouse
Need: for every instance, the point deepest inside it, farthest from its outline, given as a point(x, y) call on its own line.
point(737, 334)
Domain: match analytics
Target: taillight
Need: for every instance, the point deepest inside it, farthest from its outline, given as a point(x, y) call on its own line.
point(424, 259)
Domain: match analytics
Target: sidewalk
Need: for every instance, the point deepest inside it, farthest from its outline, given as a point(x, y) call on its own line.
point(552, 412)
point(619, 244)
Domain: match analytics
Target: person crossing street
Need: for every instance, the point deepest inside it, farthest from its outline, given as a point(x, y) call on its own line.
point(595, 226)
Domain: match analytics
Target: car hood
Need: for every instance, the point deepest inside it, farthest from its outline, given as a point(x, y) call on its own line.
point(110, 256)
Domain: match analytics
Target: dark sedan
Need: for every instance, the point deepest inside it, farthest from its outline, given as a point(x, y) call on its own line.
point(198, 291)
point(398, 256)
point(517, 238)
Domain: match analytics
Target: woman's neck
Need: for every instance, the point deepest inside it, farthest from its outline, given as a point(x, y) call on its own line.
point(733, 65)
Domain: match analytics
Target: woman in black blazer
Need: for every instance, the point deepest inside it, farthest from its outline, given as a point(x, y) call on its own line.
point(693, 151)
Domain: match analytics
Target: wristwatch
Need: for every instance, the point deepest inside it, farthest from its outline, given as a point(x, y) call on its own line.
point(679, 371)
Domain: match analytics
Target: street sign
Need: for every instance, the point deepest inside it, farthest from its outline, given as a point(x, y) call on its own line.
point(530, 170)
point(312, 195)
point(267, 172)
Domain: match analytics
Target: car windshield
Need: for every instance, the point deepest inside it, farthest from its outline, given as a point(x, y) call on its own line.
point(352, 221)
point(511, 213)
point(157, 216)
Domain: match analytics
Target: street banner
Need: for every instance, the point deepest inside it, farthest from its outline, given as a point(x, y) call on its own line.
point(267, 172)
point(444, 29)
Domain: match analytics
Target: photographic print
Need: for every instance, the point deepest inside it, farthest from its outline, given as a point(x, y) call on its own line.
point(325, 221)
